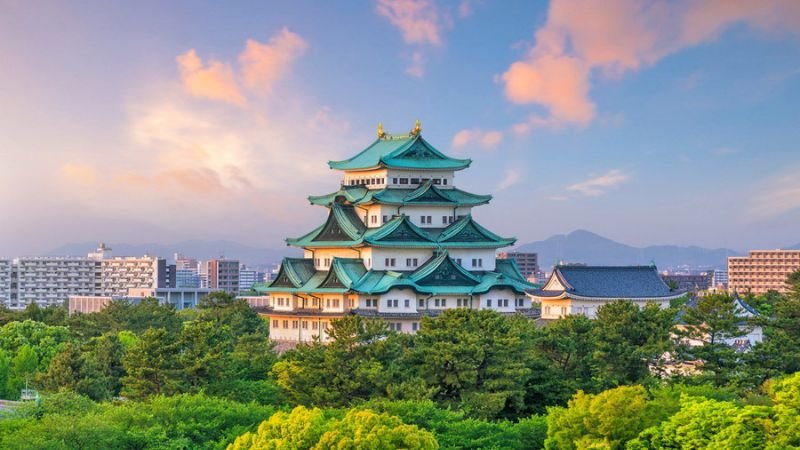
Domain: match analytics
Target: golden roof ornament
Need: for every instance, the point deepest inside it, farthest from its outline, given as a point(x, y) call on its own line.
point(417, 129)
point(381, 134)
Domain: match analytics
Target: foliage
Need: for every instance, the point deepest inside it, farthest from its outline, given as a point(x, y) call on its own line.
point(358, 429)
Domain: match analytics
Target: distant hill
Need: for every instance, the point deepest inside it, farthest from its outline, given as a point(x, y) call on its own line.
point(192, 248)
point(582, 246)
point(795, 247)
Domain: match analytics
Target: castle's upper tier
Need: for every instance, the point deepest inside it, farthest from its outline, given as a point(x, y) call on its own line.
point(408, 151)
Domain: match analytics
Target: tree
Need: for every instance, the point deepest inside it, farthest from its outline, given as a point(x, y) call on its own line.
point(478, 360)
point(312, 429)
point(713, 319)
point(356, 366)
point(152, 365)
point(605, 420)
point(630, 340)
point(45, 340)
point(564, 350)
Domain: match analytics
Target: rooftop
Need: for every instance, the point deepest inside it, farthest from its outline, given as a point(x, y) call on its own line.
point(612, 282)
point(409, 151)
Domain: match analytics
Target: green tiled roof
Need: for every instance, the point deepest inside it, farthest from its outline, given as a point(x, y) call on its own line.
point(440, 275)
point(426, 194)
point(412, 152)
point(343, 228)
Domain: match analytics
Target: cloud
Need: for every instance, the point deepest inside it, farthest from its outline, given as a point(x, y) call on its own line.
point(597, 186)
point(78, 173)
point(215, 81)
point(612, 37)
point(417, 20)
point(779, 196)
point(486, 139)
point(260, 67)
point(510, 178)
point(263, 64)
point(417, 67)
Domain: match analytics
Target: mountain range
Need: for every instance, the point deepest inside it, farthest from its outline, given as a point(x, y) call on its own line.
point(583, 246)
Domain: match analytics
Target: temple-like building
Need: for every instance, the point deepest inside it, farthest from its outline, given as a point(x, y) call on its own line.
point(399, 243)
point(574, 289)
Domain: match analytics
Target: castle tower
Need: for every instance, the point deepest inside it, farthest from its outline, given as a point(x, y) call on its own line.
point(399, 243)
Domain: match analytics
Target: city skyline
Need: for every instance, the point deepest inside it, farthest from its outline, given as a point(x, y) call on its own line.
point(159, 123)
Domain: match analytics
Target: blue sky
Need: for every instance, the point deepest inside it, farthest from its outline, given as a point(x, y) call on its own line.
point(647, 122)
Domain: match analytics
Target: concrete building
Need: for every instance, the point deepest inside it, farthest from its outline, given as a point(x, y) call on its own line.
point(87, 304)
point(248, 278)
point(720, 280)
point(50, 280)
point(222, 275)
point(762, 271)
point(399, 243)
point(119, 274)
point(583, 289)
point(528, 263)
point(5, 280)
point(187, 272)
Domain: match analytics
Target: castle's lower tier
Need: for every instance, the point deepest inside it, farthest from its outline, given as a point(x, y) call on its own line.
point(307, 325)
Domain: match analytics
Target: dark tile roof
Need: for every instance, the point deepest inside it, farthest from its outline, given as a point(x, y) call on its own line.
point(612, 282)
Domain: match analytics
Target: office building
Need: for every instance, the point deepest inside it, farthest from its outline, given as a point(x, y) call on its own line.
point(527, 262)
point(222, 275)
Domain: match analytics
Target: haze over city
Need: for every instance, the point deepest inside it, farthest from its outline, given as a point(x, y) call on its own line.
point(664, 123)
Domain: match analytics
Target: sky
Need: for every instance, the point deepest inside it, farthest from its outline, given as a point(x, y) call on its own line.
point(648, 122)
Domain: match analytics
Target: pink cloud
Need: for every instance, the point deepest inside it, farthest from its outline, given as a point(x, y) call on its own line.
point(215, 80)
point(486, 139)
point(613, 37)
point(263, 64)
point(418, 20)
point(78, 173)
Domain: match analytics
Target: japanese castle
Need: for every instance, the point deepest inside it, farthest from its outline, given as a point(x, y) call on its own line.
point(399, 243)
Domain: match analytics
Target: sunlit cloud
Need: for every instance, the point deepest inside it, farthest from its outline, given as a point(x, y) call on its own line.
point(417, 20)
point(613, 37)
point(263, 64)
point(485, 139)
point(214, 80)
point(78, 173)
point(597, 186)
point(779, 196)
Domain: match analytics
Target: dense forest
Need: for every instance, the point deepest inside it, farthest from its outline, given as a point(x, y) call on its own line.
point(143, 376)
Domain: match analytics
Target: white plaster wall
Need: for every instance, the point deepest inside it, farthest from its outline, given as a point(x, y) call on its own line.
point(401, 295)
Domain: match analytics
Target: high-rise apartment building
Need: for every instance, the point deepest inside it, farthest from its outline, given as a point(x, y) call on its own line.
point(762, 270)
point(528, 263)
point(222, 275)
point(50, 280)
point(119, 274)
point(5, 280)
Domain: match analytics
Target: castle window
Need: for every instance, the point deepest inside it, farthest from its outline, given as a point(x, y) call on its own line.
point(422, 303)
point(415, 181)
point(385, 218)
point(444, 181)
point(415, 326)
point(274, 324)
point(403, 180)
point(394, 180)
point(407, 303)
point(488, 303)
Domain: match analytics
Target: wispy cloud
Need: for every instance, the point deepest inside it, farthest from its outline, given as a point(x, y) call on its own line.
point(510, 178)
point(779, 196)
point(613, 37)
point(597, 186)
point(417, 20)
point(486, 139)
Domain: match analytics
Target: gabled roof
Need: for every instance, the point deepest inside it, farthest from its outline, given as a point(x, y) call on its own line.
point(439, 275)
point(608, 282)
point(406, 152)
point(441, 270)
point(466, 229)
point(294, 273)
point(426, 194)
point(510, 269)
point(343, 228)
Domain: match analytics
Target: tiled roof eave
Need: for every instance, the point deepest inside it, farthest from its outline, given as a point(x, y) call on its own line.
point(638, 299)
